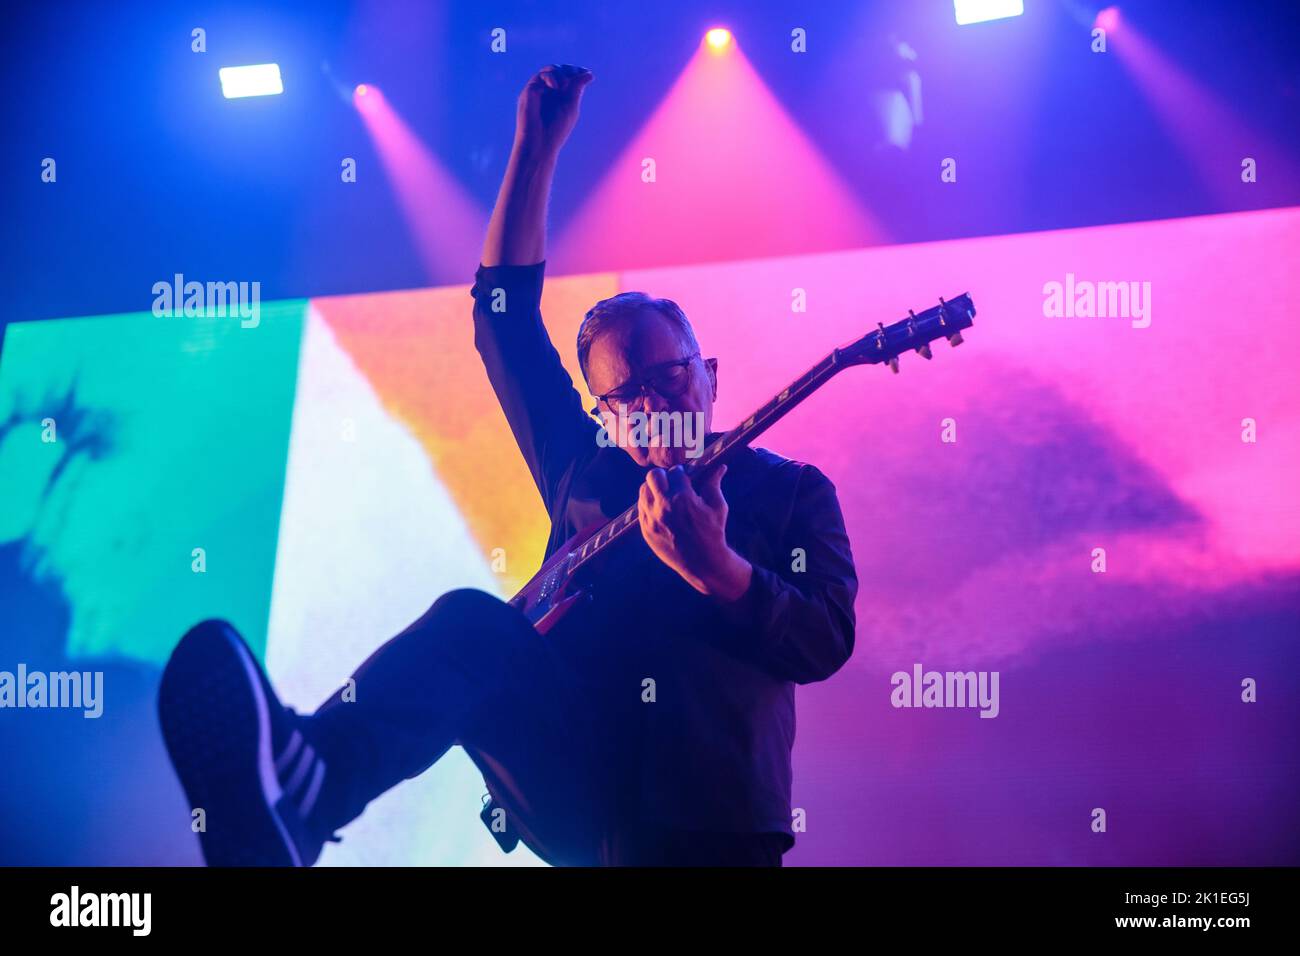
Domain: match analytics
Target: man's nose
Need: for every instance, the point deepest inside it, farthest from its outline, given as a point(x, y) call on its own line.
point(652, 401)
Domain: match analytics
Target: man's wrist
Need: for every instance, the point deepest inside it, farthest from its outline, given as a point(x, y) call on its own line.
point(533, 155)
point(729, 580)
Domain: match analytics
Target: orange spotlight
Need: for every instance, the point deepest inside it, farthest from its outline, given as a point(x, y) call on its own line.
point(361, 89)
point(718, 39)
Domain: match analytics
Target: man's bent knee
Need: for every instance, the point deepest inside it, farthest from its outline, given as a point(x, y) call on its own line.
point(472, 624)
point(463, 606)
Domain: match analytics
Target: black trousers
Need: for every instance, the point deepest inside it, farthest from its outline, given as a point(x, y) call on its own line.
point(472, 671)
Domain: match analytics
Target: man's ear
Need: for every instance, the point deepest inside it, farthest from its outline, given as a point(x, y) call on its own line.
point(712, 365)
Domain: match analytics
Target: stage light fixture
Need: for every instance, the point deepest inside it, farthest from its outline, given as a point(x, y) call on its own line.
point(262, 79)
point(718, 39)
point(365, 97)
point(1107, 19)
point(977, 11)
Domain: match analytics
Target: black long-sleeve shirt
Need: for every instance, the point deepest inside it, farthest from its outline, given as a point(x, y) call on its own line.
point(712, 751)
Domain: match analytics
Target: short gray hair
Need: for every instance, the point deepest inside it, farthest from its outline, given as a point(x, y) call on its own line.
point(622, 306)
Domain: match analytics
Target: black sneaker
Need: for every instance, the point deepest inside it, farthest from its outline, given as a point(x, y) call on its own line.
point(240, 754)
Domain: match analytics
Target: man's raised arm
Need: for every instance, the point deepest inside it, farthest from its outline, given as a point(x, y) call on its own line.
point(547, 111)
point(536, 393)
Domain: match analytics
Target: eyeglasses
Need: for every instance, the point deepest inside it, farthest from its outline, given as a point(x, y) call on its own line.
point(669, 379)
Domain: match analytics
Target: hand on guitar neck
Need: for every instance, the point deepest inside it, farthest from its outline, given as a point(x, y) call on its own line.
point(686, 529)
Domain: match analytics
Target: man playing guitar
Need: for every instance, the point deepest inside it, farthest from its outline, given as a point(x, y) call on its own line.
point(654, 724)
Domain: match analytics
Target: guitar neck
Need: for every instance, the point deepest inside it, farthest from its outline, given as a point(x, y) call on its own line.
point(883, 346)
point(720, 450)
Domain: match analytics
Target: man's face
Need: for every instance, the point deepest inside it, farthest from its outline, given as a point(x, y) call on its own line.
point(634, 351)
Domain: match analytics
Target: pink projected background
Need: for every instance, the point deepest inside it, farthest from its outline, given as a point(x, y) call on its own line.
point(1119, 690)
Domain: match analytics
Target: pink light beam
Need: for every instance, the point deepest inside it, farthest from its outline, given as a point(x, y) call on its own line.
point(445, 222)
point(734, 178)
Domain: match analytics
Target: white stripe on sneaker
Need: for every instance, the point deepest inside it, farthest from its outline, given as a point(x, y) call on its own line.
point(291, 751)
point(305, 761)
point(313, 790)
point(271, 791)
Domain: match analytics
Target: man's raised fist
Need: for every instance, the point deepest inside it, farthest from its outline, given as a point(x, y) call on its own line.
point(548, 106)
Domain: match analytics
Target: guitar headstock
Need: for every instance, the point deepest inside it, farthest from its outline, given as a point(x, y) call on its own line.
point(912, 334)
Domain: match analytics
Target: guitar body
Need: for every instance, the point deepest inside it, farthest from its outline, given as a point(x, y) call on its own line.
point(552, 593)
point(556, 611)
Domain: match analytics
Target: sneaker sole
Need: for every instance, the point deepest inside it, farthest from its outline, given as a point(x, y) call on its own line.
point(217, 728)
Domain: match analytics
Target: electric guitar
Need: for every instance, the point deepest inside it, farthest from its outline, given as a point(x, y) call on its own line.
point(556, 588)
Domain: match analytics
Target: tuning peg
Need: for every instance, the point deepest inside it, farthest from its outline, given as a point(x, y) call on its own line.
point(955, 339)
point(924, 352)
point(893, 364)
